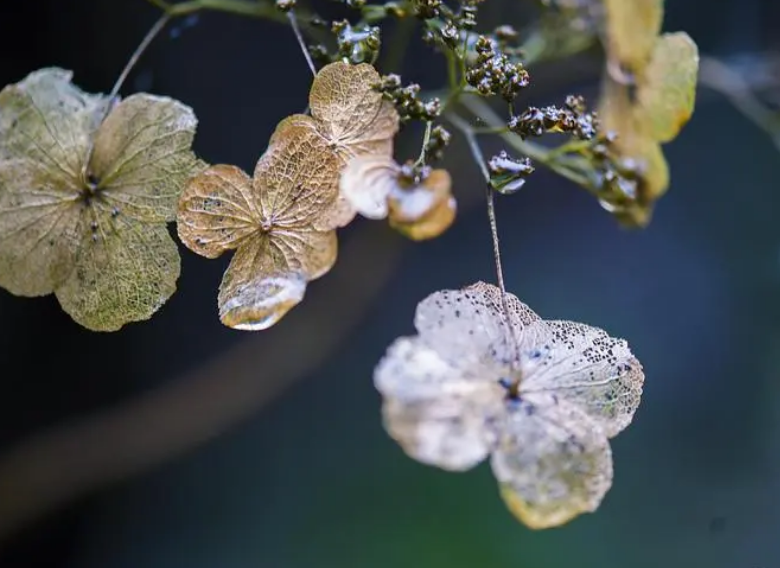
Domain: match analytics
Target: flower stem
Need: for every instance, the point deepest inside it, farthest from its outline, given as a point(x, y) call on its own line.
point(301, 42)
point(479, 158)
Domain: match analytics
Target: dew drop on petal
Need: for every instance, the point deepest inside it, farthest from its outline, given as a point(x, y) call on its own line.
point(260, 304)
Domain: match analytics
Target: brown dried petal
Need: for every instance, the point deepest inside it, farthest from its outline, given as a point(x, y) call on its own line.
point(552, 463)
point(268, 273)
point(418, 203)
point(430, 226)
point(350, 113)
point(296, 179)
point(217, 211)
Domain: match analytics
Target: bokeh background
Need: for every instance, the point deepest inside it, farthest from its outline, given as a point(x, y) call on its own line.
point(178, 443)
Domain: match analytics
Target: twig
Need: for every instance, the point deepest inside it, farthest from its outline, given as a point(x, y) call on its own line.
point(139, 51)
point(721, 78)
point(479, 158)
point(301, 42)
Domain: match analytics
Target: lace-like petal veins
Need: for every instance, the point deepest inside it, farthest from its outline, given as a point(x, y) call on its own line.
point(587, 367)
point(366, 183)
point(40, 229)
point(631, 30)
point(143, 156)
point(125, 273)
point(263, 282)
point(469, 323)
point(440, 414)
point(430, 226)
point(668, 89)
point(49, 121)
point(45, 125)
point(296, 181)
point(217, 211)
point(552, 462)
point(350, 113)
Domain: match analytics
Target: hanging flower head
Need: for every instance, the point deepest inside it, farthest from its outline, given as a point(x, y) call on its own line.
point(540, 398)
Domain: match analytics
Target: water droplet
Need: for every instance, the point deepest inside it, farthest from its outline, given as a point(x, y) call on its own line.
point(260, 304)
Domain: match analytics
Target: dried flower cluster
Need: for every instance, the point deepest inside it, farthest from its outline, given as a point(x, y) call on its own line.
point(539, 398)
point(282, 222)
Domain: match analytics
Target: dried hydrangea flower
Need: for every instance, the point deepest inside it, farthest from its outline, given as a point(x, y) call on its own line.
point(93, 233)
point(541, 398)
point(350, 116)
point(378, 187)
point(272, 221)
point(630, 32)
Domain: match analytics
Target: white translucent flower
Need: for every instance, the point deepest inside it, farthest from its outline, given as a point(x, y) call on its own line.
point(541, 398)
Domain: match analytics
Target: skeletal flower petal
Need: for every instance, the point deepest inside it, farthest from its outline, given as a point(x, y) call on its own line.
point(440, 414)
point(40, 229)
point(552, 462)
point(470, 323)
point(587, 367)
point(125, 272)
point(143, 156)
point(217, 211)
point(418, 202)
point(350, 113)
point(92, 233)
point(296, 179)
point(366, 183)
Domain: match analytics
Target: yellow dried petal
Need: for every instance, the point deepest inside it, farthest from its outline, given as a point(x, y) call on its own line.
point(125, 272)
point(431, 225)
point(667, 90)
point(552, 462)
point(413, 204)
point(631, 28)
point(41, 226)
point(258, 304)
point(143, 156)
point(217, 211)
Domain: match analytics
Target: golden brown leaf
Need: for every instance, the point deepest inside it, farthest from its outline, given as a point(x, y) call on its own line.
point(98, 240)
point(412, 204)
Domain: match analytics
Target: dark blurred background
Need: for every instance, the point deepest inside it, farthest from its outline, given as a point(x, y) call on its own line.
point(179, 443)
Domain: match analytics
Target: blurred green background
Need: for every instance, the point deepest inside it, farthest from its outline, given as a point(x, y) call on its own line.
point(179, 443)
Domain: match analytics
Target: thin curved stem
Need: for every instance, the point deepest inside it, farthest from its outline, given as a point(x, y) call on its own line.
point(301, 42)
point(131, 63)
point(479, 158)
